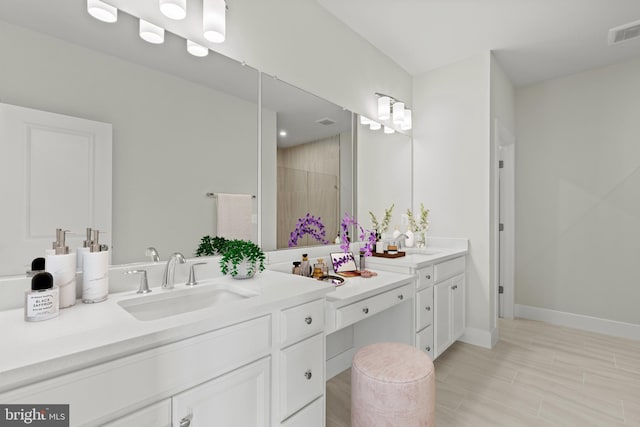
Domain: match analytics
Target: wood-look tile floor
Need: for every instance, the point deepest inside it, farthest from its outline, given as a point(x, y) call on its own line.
point(537, 375)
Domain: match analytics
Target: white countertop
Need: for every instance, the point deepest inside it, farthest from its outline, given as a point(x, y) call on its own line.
point(88, 334)
point(358, 288)
point(418, 258)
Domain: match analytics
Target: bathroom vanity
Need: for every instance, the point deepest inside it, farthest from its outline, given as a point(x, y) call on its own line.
point(260, 355)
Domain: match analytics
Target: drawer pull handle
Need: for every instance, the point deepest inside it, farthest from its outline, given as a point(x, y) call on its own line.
point(308, 320)
point(186, 421)
point(428, 308)
point(428, 276)
point(400, 297)
point(427, 348)
point(365, 310)
point(308, 374)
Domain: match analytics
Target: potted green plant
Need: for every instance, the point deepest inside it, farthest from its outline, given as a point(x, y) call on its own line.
point(240, 258)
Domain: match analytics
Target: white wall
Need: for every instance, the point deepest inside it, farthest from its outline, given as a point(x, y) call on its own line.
point(384, 175)
point(452, 171)
point(577, 193)
point(173, 140)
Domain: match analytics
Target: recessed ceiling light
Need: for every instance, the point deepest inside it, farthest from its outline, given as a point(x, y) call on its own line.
point(102, 11)
point(283, 133)
point(174, 9)
point(196, 49)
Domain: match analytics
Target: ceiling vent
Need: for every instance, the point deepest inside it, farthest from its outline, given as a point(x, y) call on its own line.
point(326, 121)
point(624, 32)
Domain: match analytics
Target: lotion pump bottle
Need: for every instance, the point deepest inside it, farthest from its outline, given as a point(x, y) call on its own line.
point(95, 276)
point(62, 266)
point(86, 247)
point(42, 301)
point(410, 240)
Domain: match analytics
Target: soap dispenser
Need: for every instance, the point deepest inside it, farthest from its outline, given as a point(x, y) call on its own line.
point(410, 240)
point(62, 266)
point(95, 277)
point(86, 247)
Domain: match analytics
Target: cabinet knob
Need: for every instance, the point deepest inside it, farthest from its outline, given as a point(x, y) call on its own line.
point(308, 320)
point(365, 310)
point(428, 276)
point(428, 308)
point(427, 348)
point(454, 287)
point(186, 421)
point(400, 297)
point(308, 374)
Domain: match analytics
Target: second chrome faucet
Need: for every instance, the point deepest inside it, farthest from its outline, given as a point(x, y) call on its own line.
point(169, 269)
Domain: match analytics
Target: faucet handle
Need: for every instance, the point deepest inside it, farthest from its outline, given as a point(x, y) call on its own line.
point(192, 277)
point(144, 284)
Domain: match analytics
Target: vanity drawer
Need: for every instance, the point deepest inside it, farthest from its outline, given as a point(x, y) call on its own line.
point(311, 416)
point(424, 308)
point(301, 321)
point(424, 340)
point(447, 269)
point(360, 310)
point(301, 374)
point(425, 277)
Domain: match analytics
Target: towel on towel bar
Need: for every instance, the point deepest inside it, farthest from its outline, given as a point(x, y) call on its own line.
point(234, 216)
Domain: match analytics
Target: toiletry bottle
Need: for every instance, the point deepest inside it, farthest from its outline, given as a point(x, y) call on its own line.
point(62, 266)
point(86, 247)
point(317, 271)
point(296, 268)
point(37, 265)
point(305, 266)
point(410, 240)
point(42, 301)
point(95, 276)
point(325, 267)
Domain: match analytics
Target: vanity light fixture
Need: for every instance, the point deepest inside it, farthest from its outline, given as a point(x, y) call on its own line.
point(387, 129)
point(196, 49)
point(391, 108)
point(102, 11)
point(214, 23)
point(407, 124)
point(365, 120)
point(150, 32)
point(384, 107)
point(374, 125)
point(174, 9)
point(398, 113)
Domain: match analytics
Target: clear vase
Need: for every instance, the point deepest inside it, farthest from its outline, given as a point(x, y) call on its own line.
point(421, 240)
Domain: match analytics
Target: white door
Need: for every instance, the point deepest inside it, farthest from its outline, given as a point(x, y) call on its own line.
point(55, 172)
point(240, 398)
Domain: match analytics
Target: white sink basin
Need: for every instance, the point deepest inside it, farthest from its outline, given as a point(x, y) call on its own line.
point(421, 251)
point(160, 304)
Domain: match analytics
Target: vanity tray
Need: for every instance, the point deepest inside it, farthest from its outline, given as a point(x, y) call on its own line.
point(386, 255)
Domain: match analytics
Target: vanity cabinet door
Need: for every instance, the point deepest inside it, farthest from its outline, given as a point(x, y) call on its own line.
point(240, 398)
point(443, 328)
point(156, 415)
point(458, 309)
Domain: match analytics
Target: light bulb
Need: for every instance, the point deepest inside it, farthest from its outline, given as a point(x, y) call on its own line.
point(174, 9)
point(407, 124)
point(214, 20)
point(151, 33)
point(102, 11)
point(384, 108)
point(196, 49)
point(374, 125)
point(398, 113)
point(387, 129)
point(364, 120)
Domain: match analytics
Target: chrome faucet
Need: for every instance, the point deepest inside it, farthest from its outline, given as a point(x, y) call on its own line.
point(153, 253)
point(401, 240)
point(169, 270)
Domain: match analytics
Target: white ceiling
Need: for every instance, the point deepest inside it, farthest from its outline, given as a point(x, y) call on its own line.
point(534, 40)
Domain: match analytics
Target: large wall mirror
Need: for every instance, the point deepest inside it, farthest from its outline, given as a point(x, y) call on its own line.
point(182, 127)
point(311, 142)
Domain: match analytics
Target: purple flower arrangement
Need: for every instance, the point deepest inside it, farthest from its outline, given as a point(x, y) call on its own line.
point(368, 236)
point(310, 225)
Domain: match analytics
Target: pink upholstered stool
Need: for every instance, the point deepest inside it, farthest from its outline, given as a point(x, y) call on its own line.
point(392, 384)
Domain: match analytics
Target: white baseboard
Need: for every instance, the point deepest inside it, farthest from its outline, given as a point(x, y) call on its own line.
point(579, 321)
point(478, 337)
